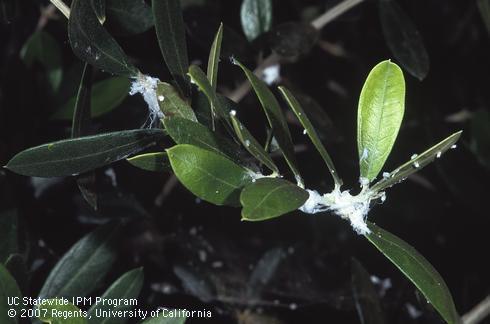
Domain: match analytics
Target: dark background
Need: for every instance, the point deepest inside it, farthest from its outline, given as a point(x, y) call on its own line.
point(442, 212)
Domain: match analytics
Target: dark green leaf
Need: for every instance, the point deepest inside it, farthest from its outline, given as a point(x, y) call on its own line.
point(214, 55)
point(172, 104)
point(106, 95)
point(417, 269)
point(156, 162)
point(170, 29)
point(256, 17)
point(184, 131)
point(269, 197)
point(310, 130)
point(50, 313)
point(8, 289)
point(127, 287)
point(416, 163)
point(276, 119)
point(252, 145)
point(199, 78)
point(93, 44)
point(380, 113)
point(403, 39)
point(81, 269)
point(293, 39)
point(208, 175)
point(17, 266)
point(367, 301)
point(74, 156)
point(43, 48)
point(129, 17)
point(8, 234)
point(484, 8)
point(202, 107)
point(99, 8)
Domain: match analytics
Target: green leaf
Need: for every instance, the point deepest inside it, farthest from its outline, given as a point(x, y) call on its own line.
point(276, 119)
point(43, 48)
point(8, 289)
point(8, 234)
point(81, 115)
point(93, 44)
point(78, 155)
point(368, 305)
point(81, 269)
point(99, 7)
point(166, 318)
point(54, 307)
point(417, 269)
point(256, 17)
point(173, 104)
point(184, 131)
point(127, 287)
point(106, 95)
point(380, 113)
point(269, 197)
point(310, 130)
point(129, 17)
point(214, 55)
point(170, 29)
point(416, 163)
point(484, 8)
point(208, 175)
point(403, 39)
point(218, 108)
point(252, 145)
point(156, 162)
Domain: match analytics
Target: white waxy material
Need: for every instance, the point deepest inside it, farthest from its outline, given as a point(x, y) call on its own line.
point(147, 87)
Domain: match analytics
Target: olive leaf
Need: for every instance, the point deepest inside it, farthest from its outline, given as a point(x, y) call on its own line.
point(270, 197)
point(171, 102)
point(380, 113)
point(51, 309)
point(256, 17)
point(93, 44)
point(416, 163)
point(208, 175)
point(156, 162)
point(128, 17)
point(170, 29)
point(214, 54)
point(417, 269)
point(9, 289)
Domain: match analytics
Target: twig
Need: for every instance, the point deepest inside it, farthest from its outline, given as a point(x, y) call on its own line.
point(318, 23)
point(47, 13)
point(65, 10)
point(477, 313)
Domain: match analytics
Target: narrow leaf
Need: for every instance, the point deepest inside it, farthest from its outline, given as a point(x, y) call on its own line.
point(128, 17)
point(93, 44)
point(170, 29)
point(172, 104)
point(269, 197)
point(276, 119)
point(417, 163)
point(50, 313)
point(8, 289)
point(368, 305)
point(208, 175)
point(380, 113)
point(256, 17)
point(403, 39)
point(8, 234)
point(99, 8)
point(127, 288)
point(156, 162)
point(310, 130)
point(217, 107)
point(87, 262)
point(417, 269)
point(74, 156)
point(214, 56)
point(41, 47)
point(105, 96)
point(252, 145)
